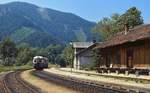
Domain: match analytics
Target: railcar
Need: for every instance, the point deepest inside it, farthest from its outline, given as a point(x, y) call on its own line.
point(40, 62)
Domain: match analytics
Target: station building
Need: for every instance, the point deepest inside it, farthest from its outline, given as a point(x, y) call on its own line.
point(128, 50)
point(81, 60)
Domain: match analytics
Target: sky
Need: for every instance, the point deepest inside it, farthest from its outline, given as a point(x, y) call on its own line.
point(93, 10)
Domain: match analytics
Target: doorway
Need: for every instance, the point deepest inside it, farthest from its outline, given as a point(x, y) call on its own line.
point(129, 58)
point(108, 60)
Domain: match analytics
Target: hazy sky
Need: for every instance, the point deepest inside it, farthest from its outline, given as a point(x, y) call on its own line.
point(93, 10)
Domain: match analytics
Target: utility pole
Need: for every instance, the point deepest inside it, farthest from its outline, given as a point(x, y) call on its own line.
point(71, 43)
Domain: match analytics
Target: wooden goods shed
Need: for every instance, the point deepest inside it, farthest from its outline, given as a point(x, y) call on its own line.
point(129, 50)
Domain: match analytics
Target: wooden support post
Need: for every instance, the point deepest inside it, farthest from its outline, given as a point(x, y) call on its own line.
point(127, 73)
point(117, 72)
point(102, 71)
point(108, 71)
point(137, 73)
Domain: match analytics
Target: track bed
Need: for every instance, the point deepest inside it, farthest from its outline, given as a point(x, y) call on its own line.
point(82, 85)
point(12, 83)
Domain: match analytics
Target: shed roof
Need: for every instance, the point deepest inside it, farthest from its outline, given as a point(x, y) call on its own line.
point(82, 44)
point(90, 48)
point(138, 33)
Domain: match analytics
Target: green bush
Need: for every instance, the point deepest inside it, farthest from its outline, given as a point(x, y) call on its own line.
point(88, 67)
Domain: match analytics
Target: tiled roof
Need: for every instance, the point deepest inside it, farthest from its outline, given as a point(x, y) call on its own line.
point(135, 34)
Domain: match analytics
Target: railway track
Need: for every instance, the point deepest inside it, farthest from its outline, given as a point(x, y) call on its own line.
point(83, 85)
point(12, 83)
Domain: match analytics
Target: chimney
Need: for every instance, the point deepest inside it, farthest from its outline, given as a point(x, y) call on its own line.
point(126, 28)
point(94, 41)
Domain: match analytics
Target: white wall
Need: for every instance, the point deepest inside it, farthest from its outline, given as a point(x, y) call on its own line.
point(84, 60)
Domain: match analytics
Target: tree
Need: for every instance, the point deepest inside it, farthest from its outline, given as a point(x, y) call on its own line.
point(67, 55)
point(108, 27)
point(53, 52)
point(96, 57)
point(24, 55)
point(41, 52)
point(8, 51)
point(132, 17)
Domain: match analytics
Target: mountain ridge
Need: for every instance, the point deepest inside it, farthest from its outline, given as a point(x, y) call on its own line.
point(59, 26)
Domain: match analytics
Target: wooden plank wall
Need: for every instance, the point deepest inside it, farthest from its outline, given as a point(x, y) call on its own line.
point(147, 54)
point(141, 55)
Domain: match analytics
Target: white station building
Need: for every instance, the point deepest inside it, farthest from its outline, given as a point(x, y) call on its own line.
point(81, 57)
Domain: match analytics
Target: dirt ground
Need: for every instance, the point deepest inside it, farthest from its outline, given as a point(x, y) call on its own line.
point(44, 86)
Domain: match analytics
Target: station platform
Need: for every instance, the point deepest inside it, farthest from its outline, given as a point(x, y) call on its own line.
point(114, 79)
point(144, 77)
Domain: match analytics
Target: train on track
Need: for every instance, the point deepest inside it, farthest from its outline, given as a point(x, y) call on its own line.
point(40, 62)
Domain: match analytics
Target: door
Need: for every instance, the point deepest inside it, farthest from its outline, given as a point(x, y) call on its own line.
point(129, 58)
point(108, 60)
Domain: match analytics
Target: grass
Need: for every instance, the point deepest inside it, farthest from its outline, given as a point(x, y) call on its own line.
point(13, 68)
point(52, 65)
